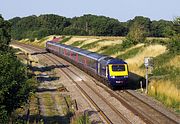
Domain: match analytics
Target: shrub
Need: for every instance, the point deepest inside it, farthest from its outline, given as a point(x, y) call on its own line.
point(136, 34)
point(127, 43)
point(174, 45)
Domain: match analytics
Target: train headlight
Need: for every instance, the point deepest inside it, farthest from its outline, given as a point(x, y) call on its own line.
point(112, 76)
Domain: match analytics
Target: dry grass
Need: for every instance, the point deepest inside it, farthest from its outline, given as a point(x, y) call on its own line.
point(41, 42)
point(33, 106)
point(175, 62)
point(105, 43)
point(138, 60)
point(165, 91)
point(123, 52)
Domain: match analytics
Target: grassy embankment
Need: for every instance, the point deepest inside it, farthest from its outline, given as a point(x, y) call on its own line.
point(164, 84)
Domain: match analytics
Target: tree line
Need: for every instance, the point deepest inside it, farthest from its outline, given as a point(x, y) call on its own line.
point(15, 85)
point(49, 24)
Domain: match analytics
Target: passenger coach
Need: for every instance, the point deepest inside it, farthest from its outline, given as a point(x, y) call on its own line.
point(113, 72)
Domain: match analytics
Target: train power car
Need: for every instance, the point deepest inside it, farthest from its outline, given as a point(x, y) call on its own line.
point(111, 71)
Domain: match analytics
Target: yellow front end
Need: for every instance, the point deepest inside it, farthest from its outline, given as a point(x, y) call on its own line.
point(118, 70)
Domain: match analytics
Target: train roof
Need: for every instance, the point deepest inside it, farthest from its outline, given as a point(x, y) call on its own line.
point(89, 54)
point(92, 55)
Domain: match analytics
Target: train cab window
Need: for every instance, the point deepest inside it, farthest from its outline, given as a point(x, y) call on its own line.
point(118, 68)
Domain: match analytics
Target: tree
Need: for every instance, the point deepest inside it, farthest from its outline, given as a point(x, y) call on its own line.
point(176, 23)
point(142, 22)
point(162, 28)
point(137, 33)
point(4, 34)
point(15, 88)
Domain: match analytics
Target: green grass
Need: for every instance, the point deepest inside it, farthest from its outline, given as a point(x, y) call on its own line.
point(165, 80)
point(162, 68)
point(82, 119)
point(65, 39)
point(157, 41)
point(110, 50)
point(43, 39)
point(169, 100)
point(91, 45)
point(77, 43)
point(130, 53)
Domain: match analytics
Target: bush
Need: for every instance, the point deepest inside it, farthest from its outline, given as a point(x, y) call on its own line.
point(136, 34)
point(127, 43)
point(174, 45)
point(3, 115)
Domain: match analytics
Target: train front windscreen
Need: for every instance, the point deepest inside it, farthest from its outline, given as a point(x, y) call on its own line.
point(118, 70)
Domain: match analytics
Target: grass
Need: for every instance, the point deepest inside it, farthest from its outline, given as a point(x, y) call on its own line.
point(43, 39)
point(48, 103)
point(91, 45)
point(77, 43)
point(131, 53)
point(81, 119)
point(164, 84)
point(165, 68)
point(34, 105)
point(65, 39)
point(110, 50)
point(166, 92)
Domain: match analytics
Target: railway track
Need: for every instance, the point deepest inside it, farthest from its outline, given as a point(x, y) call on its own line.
point(90, 94)
point(144, 108)
point(146, 112)
point(100, 97)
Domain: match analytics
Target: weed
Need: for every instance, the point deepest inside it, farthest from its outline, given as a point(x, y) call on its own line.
point(81, 119)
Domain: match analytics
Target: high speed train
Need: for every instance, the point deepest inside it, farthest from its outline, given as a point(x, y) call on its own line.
point(111, 71)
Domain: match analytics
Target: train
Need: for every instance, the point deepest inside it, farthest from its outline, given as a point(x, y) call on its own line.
point(111, 71)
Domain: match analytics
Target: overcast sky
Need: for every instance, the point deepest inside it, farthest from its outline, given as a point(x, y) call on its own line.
point(122, 10)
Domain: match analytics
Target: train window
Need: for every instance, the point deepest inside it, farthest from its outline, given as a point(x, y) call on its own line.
point(118, 68)
point(67, 52)
point(73, 55)
point(85, 60)
point(64, 51)
point(103, 70)
point(92, 63)
point(81, 58)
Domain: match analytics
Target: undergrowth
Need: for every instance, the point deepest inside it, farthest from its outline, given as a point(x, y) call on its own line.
point(77, 43)
point(130, 53)
point(164, 84)
point(166, 92)
point(110, 50)
point(81, 119)
point(91, 45)
point(43, 39)
point(65, 39)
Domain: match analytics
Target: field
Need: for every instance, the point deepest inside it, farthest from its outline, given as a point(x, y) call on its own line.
point(165, 77)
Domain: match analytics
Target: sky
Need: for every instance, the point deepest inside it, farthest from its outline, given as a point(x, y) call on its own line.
point(122, 10)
